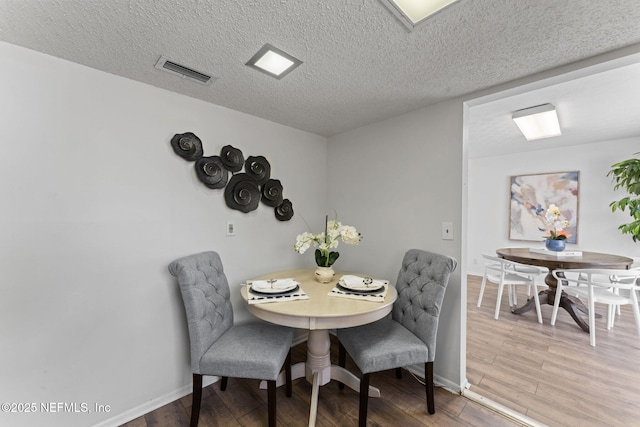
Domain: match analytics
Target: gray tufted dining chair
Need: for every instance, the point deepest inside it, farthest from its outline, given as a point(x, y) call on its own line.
point(218, 347)
point(409, 336)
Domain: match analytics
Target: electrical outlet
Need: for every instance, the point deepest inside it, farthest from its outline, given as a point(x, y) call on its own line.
point(447, 231)
point(231, 229)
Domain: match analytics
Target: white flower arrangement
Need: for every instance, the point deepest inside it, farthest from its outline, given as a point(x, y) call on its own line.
point(556, 224)
point(326, 241)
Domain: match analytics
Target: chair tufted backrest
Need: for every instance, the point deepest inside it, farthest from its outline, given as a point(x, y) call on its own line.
point(205, 293)
point(421, 284)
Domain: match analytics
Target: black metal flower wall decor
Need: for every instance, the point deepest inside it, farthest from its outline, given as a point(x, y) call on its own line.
point(259, 168)
point(211, 172)
point(272, 193)
point(284, 211)
point(187, 145)
point(244, 191)
point(232, 158)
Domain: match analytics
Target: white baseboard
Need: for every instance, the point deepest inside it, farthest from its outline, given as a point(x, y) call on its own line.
point(437, 379)
point(154, 404)
point(502, 410)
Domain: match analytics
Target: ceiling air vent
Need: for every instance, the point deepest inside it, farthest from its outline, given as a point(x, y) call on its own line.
point(166, 64)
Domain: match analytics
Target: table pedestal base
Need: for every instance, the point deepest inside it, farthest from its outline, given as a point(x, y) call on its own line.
point(319, 371)
point(568, 302)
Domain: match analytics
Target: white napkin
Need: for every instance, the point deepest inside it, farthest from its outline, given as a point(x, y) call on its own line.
point(266, 285)
point(358, 283)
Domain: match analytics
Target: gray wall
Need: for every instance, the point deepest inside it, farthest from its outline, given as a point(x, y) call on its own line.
point(95, 204)
point(397, 181)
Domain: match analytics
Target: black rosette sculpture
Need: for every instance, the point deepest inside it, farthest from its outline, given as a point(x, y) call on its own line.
point(242, 193)
point(259, 168)
point(272, 193)
point(244, 190)
point(211, 172)
point(232, 158)
point(284, 212)
point(187, 145)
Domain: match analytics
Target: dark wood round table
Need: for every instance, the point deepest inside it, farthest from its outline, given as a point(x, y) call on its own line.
point(554, 262)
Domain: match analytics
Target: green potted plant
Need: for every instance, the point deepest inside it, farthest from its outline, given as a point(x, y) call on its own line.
point(626, 175)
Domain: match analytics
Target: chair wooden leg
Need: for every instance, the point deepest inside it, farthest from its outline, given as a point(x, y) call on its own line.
point(196, 397)
point(342, 361)
point(364, 400)
point(223, 383)
point(399, 373)
point(287, 371)
point(271, 402)
point(428, 380)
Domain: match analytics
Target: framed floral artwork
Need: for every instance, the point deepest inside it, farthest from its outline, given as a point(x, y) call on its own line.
point(531, 196)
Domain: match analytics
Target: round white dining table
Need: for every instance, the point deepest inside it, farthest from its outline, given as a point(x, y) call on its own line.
point(319, 314)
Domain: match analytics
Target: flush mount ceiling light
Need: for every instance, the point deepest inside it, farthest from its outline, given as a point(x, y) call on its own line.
point(273, 61)
point(537, 122)
point(414, 12)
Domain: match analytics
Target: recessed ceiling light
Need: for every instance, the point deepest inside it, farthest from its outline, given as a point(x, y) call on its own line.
point(537, 122)
point(273, 61)
point(414, 12)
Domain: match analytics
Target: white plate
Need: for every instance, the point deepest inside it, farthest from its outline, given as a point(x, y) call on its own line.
point(359, 284)
point(275, 286)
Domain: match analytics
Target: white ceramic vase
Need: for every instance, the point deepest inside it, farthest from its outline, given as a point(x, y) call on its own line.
point(324, 274)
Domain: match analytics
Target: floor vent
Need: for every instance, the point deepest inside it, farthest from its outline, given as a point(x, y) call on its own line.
point(165, 64)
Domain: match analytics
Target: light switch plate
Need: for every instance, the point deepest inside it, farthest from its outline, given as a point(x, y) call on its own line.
point(447, 231)
point(231, 229)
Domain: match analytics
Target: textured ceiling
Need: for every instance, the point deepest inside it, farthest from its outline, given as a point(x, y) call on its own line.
point(360, 64)
point(600, 103)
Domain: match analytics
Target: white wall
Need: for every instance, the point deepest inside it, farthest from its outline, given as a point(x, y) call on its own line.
point(95, 204)
point(396, 181)
point(489, 195)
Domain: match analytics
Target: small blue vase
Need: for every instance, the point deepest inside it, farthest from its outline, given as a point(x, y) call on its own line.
point(555, 245)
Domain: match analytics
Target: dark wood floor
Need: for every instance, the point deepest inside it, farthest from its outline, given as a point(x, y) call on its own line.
point(402, 404)
point(551, 373)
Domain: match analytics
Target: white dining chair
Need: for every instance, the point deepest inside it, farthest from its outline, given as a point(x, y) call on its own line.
point(606, 286)
point(634, 266)
point(511, 274)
